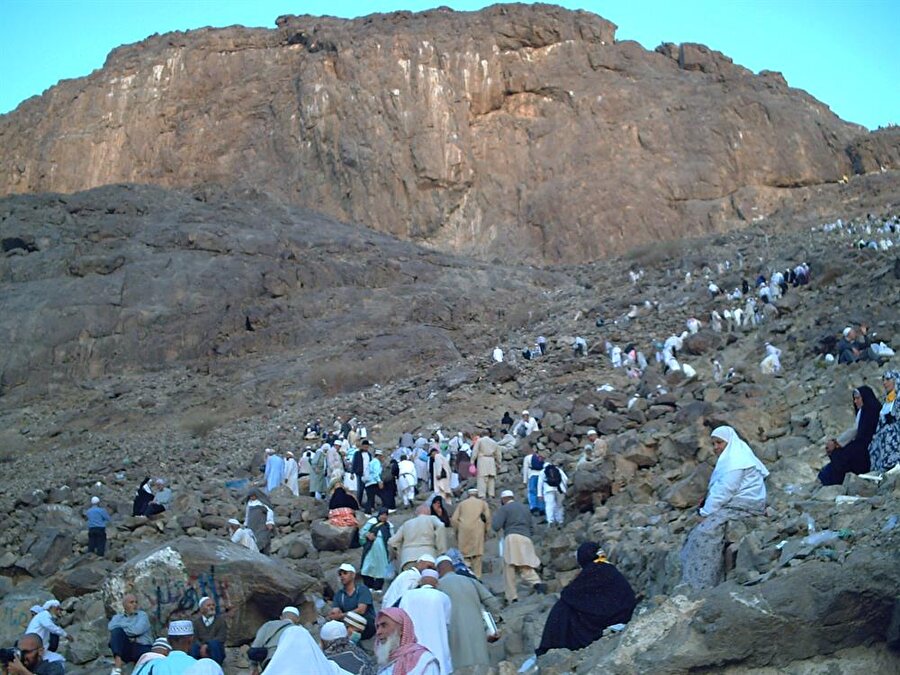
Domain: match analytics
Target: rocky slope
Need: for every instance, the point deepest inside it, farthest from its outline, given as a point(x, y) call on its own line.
point(139, 360)
point(525, 132)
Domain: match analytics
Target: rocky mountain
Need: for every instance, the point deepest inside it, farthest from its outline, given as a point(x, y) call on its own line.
point(526, 132)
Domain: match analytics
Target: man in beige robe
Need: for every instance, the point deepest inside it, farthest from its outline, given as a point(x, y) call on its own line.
point(519, 557)
point(598, 446)
point(470, 521)
point(424, 534)
point(487, 455)
point(441, 475)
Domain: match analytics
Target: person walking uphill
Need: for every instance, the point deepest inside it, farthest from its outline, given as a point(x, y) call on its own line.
point(487, 456)
point(519, 557)
point(470, 520)
point(737, 490)
point(97, 520)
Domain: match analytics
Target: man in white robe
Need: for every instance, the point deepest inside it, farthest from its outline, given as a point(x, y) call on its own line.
point(274, 475)
point(292, 474)
point(430, 611)
point(407, 479)
point(441, 475)
point(407, 580)
point(242, 535)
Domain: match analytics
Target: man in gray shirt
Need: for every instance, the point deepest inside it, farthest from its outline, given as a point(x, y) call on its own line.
point(514, 519)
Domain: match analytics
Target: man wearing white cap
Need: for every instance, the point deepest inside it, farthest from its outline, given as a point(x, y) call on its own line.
point(242, 535)
point(514, 519)
point(430, 611)
point(266, 640)
point(525, 426)
point(292, 474)
point(160, 650)
point(97, 520)
point(440, 474)
point(181, 637)
point(337, 647)
point(599, 446)
point(43, 625)
point(424, 534)
point(406, 580)
point(470, 521)
point(210, 632)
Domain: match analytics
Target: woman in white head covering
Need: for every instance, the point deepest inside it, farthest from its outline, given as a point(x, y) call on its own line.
point(296, 646)
point(736, 490)
point(884, 450)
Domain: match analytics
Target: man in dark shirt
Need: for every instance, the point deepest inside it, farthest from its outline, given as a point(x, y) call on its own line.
point(353, 597)
point(31, 661)
point(210, 632)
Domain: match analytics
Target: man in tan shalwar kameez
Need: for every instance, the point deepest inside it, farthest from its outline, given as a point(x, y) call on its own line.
point(514, 519)
point(487, 456)
point(470, 520)
point(441, 467)
point(424, 534)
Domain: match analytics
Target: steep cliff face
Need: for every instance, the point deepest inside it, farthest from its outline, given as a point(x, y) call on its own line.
point(525, 132)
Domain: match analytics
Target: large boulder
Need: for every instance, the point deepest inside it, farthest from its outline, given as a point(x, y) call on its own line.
point(170, 579)
point(327, 537)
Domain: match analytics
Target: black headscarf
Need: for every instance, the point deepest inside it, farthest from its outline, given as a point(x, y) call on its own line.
point(854, 457)
point(443, 516)
point(597, 598)
point(341, 499)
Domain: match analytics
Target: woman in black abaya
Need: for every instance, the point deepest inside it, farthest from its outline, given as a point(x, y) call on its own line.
point(599, 597)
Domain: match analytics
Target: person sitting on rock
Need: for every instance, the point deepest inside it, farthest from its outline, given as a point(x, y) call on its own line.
point(598, 598)
point(353, 596)
point(210, 632)
point(849, 452)
point(579, 347)
point(242, 535)
point(737, 490)
point(31, 659)
point(129, 634)
point(162, 498)
point(342, 508)
point(268, 636)
point(884, 450)
point(356, 626)
point(43, 624)
point(337, 647)
point(142, 498)
point(854, 345)
point(159, 650)
point(260, 518)
point(526, 426)
point(180, 634)
point(297, 652)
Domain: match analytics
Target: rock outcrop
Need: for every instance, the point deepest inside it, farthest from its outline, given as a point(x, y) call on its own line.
point(526, 132)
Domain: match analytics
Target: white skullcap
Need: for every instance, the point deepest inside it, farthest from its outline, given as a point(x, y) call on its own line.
point(180, 628)
point(525, 412)
point(847, 331)
point(95, 500)
point(161, 642)
point(202, 600)
point(592, 431)
point(333, 630)
point(356, 621)
point(507, 493)
point(270, 451)
point(234, 521)
point(472, 491)
point(291, 610)
point(430, 574)
point(52, 602)
point(443, 558)
point(425, 557)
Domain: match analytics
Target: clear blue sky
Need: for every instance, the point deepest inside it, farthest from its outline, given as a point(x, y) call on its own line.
point(844, 52)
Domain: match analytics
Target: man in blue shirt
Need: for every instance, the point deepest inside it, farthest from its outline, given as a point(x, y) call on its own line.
point(97, 520)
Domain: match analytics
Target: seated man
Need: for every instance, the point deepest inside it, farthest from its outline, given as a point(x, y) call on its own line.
point(210, 632)
point(854, 345)
point(266, 641)
point(129, 633)
point(32, 660)
point(337, 647)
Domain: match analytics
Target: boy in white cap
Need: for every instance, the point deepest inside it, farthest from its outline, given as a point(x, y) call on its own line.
point(97, 520)
point(337, 647)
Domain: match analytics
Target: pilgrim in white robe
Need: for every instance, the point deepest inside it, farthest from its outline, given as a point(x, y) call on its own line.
point(430, 611)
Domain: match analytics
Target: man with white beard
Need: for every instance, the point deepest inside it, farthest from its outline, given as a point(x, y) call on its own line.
point(397, 650)
point(429, 610)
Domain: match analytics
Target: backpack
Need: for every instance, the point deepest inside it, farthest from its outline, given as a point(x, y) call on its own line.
point(536, 462)
point(387, 471)
point(552, 476)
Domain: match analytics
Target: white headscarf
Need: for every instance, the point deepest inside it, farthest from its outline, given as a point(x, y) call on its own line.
point(205, 667)
point(297, 646)
point(737, 455)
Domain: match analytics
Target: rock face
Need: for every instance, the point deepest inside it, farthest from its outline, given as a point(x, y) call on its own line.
point(170, 580)
point(521, 131)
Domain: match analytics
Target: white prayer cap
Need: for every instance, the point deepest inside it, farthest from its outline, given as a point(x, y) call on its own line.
point(160, 481)
point(333, 630)
point(202, 600)
point(472, 491)
point(525, 412)
point(847, 331)
point(443, 558)
point(356, 621)
point(95, 500)
point(379, 451)
point(234, 521)
point(36, 609)
point(161, 643)
point(347, 567)
point(52, 602)
point(180, 628)
point(430, 574)
point(425, 557)
point(507, 493)
point(270, 451)
point(289, 453)
point(592, 431)
point(291, 610)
